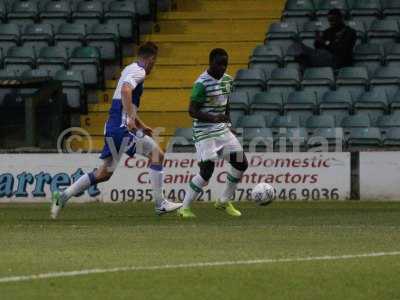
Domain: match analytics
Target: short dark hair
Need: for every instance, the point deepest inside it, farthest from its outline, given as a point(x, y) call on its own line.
point(148, 49)
point(217, 52)
point(335, 12)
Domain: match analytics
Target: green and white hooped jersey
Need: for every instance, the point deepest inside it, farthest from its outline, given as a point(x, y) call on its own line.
point(213, 95)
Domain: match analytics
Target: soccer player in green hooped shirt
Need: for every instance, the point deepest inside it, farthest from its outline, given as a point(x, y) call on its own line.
point(209, 108)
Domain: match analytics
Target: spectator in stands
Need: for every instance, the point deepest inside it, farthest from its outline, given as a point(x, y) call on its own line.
point(334, 48)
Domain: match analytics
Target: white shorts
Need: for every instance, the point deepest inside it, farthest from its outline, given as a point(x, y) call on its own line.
point(218, 147)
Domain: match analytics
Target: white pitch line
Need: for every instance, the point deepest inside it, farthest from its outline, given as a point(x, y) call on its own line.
point(191, 265)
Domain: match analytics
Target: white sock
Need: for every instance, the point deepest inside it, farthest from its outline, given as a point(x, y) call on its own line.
point(156, 178)
point(193, 191)
point(232, 181)
point(84, 182)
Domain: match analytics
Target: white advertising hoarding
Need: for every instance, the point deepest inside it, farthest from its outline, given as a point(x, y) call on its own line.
point(295, 176)
point(380, 176)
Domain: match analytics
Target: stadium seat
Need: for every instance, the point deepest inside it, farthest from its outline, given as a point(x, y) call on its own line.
point(314, 122)
point(383, 31)
point(106, 38)
point(87, 60)
point(252, 121)
point(258, 140)
point(329, 137)
point(37, 36)
point(360, 29)
point(88, 13)
point(239, 101)
point(337, 104)
point(6, 92)
point(268, 104)
point(388, 121)
point(52, 59)
point(373, 103)
point(282, 32)
point(284, 80)
point(3, 11)
point(23, 13)
point(392, 138)
point(324, 6)
point(318, 80)
point(56, 13)
point(299, 11)
point(283, 122)
point(309, 30)
point(73, 87)
point(32, 74)
point(291, 139)
point(266, 57)
point(143, 7)
point(20, 59)
point(364, 138)
point(366, 10)
point(386, 79)
point(395, 103)
point(355, 80)
point(301, 105)
point(70, 36)
point(391, 9)
point(235, 116)
point(392, 55)
point(355, 121)
point(369, 56)
point(9, 36)
point(123, 14)
point(249, 80)
point(182, 141)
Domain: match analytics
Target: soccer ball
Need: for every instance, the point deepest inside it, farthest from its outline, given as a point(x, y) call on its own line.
point(263, 194)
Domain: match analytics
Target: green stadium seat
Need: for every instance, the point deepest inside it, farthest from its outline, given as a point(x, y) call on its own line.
point(143, 7)
point(267, 104)
point(386, 79)
point(291, 139)
point(318, 80)
point(373, 103)
point(32, 74)
point(56, 13)
point(73, 87)
point(366, 10)
point(283, 122)
point(356, 121)
point(124, 15)
point(70, 36)
point(37, 36)
point(388, 121)
point(239, 101)
point(360, 29)
point(301, 105)
point(391, 9)
point(23, 13)
point(106, 38)
point(3, 11)
point(383, 31)
point(182, 141)
point(392, 55)
point(266, 57)
point(329, 137)
point(284, 80)
point(20, 59)
point(52, 59)
point(369, 56)
point(9, 36)
point(249, 80)
point(88, 13)
point(337, 104)
point(282, 32)
point(314, 122)
point(235, 116)
point(395, 103)
point(361, 138)
point(251, 121)
point(298, 11)
point(324, 6)
point(392, 138)
point(308, 32)
point(355, 80)
point(258, 140)
point(87, 60)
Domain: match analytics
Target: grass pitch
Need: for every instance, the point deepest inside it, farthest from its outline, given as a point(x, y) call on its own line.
point(91, 236)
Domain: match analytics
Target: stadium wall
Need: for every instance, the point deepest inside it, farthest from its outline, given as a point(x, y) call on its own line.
point(296, 176)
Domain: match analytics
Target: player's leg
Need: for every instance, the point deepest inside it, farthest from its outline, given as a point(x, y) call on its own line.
point(102, 174)
point(195, 187)
point(147, 147)
point(234, 154)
